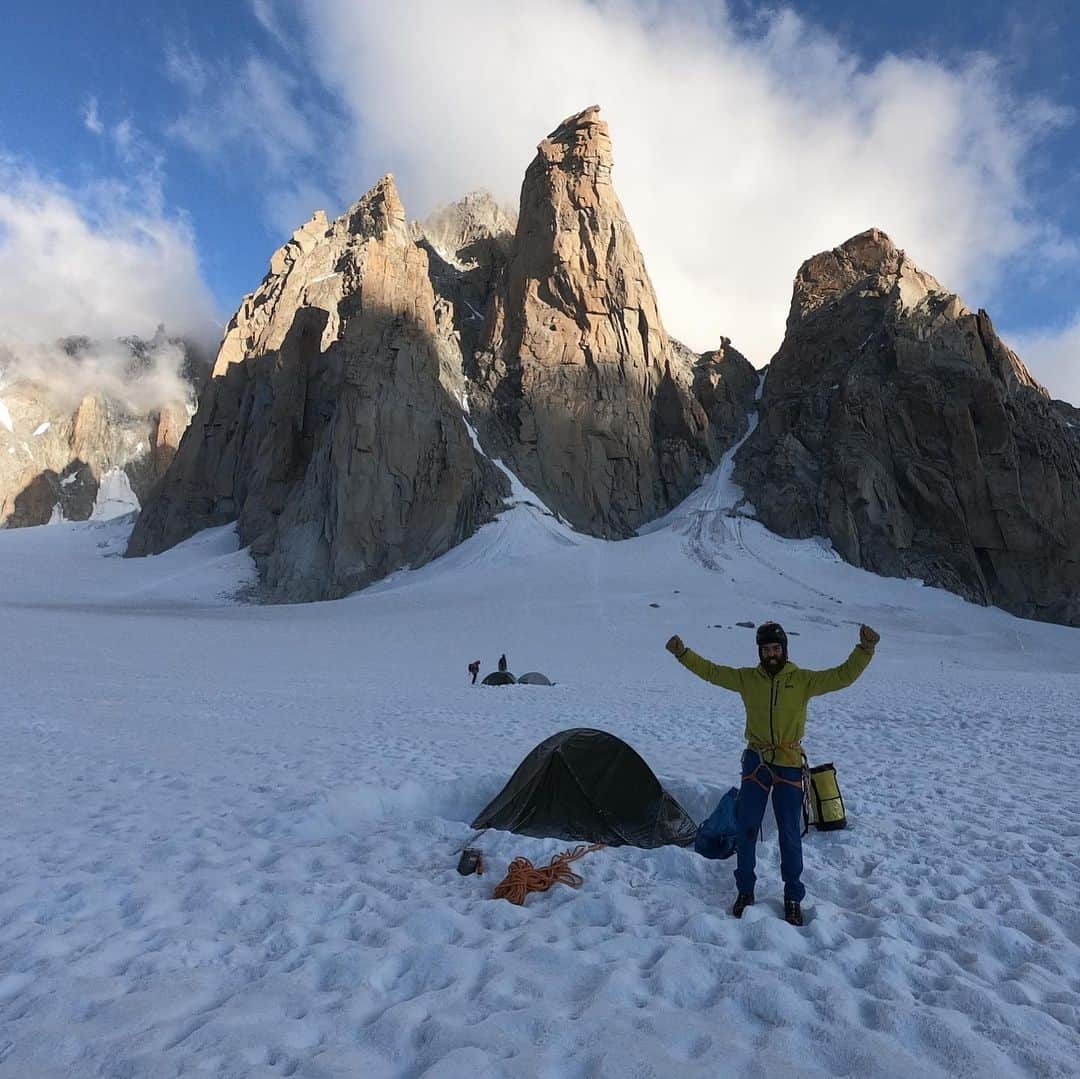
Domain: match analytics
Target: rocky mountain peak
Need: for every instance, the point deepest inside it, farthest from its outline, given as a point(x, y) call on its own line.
point(579, 146)
point(893, 421)
point(879, 293)
point(332, 431)
point(869, 262)
point(468, 232)
point(576, 381)
point(65, 432)
point(380, 214)
point(896, 422)
point(302, 241)
point(867, 253)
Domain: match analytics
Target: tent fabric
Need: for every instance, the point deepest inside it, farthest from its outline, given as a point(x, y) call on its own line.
point(535, 678)
point(499, 678)
point(588, 785)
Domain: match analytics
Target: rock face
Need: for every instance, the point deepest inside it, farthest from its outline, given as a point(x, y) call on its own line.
point(895, 422)
point(474, 231)
point(576, 382)
point(725, 385)
point(329, 430)
point(467, 244)
point(54, 457)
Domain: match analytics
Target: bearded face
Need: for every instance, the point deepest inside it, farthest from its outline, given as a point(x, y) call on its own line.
point(772, 658)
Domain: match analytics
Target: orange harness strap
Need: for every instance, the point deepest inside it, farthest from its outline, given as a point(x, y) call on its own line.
point(769, 767)
point(802, 784)
point(753, 777)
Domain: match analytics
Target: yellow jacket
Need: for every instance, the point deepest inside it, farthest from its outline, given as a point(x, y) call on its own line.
point(776, 707)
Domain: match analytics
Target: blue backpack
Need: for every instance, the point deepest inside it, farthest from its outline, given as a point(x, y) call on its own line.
point(716, 837)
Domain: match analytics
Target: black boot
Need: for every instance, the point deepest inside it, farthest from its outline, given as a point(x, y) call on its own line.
point(792, 912)
point(742, 901)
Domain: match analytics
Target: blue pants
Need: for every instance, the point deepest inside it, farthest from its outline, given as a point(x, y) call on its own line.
point(787, 805)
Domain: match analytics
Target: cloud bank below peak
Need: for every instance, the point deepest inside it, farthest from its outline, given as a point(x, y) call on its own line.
point(101, 263)
point(105, 261)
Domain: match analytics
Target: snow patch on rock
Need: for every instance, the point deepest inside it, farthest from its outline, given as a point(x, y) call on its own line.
point(115, 496)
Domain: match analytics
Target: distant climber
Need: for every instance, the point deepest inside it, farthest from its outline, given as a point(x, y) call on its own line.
point(474, 670)
point(775, 694)
point(502, 663)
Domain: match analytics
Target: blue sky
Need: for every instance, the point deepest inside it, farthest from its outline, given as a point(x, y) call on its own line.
point(747, 137)
point(57, 59)
point(1038, 45)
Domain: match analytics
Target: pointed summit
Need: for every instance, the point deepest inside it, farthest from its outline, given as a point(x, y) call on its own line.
point(577, 382)
point(580, 145)
point(898, 424)
point(329, 433)
point(380, 213)
point(464, 233)
point(869, 262)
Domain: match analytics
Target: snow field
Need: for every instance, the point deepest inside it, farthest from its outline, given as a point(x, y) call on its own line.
point(228, 834)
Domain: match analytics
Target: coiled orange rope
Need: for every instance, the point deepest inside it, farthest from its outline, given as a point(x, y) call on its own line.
point(523, 877)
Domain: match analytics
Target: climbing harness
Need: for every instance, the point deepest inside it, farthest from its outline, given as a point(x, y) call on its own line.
point(523, 877)
point(803, 784)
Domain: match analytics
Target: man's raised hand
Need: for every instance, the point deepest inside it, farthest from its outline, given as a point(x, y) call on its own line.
point(868, 638)
point(675, 646)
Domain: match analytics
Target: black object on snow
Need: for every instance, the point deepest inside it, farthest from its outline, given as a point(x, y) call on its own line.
point(472, 858)
point(499, 678)
point(535, 678)
point(588, 785)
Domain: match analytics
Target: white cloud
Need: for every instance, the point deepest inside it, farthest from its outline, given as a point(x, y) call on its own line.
point(289, 203)
point(230, 111)
point(99, 262)
point(144, 162)
point(736, 157)
point(266, 15)
point(102, 367)
point(256, 110)
point(1053, 357)
point(91, 120)
point(124, 136)
point(103, 262)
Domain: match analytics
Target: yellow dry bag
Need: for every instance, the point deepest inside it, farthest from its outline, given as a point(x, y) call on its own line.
point(827, 799)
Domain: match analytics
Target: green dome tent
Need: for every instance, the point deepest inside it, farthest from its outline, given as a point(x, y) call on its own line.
point(535, 678)
point(499, 678)
point(588, 785)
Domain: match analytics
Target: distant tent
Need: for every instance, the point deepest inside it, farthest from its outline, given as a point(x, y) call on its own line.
point(499, 678)
point(535, 678)
point(588, 785)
